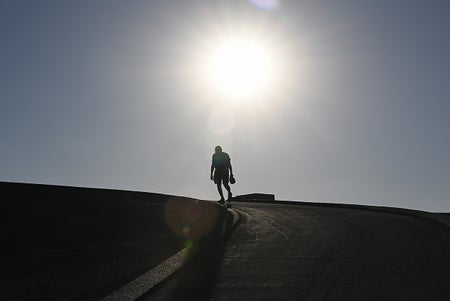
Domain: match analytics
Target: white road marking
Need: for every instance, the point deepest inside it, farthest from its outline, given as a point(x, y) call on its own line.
point(142, 284)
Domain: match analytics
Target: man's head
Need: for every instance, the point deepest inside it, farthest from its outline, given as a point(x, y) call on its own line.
point(218, 149)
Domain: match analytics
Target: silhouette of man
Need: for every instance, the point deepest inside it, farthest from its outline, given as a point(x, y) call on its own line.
point(220, 165)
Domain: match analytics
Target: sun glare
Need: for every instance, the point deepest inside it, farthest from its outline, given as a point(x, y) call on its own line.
point(240, 68)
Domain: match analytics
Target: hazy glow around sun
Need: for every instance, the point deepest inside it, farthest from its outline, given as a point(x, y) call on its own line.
point(239, 68)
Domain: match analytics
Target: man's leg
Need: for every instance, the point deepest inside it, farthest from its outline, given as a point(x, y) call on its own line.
point(228, 188)
point(219, 188)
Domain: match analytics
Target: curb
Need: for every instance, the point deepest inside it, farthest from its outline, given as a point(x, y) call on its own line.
point(144, 283)
point(234, 221)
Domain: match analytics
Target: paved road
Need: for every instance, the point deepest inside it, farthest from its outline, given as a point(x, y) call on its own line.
point(68, 243)
point(297, 252)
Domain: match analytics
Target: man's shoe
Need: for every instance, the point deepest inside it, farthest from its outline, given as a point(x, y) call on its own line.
point(221, 202)
point(230, 196)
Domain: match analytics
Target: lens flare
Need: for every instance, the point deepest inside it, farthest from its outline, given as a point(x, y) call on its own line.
point(188, 219)
point(191, 221)
point(266, 4)
point(221, 121)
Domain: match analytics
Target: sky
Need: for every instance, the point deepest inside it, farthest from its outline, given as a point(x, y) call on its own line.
point(110, 94)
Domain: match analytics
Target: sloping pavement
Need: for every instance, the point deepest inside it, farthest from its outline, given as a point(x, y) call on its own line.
point(71, 243)
point(306, 252)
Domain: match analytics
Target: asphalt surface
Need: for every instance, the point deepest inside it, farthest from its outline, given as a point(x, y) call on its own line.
point(68, 243)
point(298, 252)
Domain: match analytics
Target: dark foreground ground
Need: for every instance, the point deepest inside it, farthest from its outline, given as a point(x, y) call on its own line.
point(66, 243)
point(298, 252)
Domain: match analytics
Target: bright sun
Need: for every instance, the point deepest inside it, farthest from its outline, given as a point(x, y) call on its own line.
point(240, 68)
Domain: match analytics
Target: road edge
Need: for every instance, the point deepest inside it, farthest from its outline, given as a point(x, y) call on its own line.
point(145, 282)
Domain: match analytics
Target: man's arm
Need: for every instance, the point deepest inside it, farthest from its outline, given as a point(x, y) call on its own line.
point(212, 170)
point(230, 167)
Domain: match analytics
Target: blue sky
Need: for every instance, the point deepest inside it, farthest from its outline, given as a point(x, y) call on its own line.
point(105, 94)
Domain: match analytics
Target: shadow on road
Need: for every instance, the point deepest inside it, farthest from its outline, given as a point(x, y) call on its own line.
point(196, 280)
